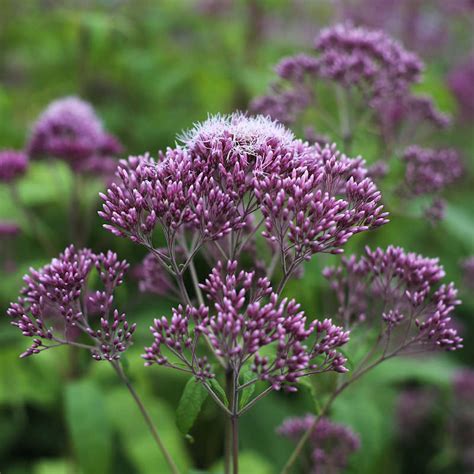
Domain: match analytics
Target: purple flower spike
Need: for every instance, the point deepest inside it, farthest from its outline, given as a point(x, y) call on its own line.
point(319, 205)
point(13, 164)
point(244, 316)
point(403, 289)
point(58, 291)
point(331, 443)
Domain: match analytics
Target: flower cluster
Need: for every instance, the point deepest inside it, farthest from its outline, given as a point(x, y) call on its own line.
point(319, 205)
point(430, 171)
point(13, 164)
point(246, 316)
point(331, 443)
point(367, 60)
point(70, 130)
point(57, 293)
point(401, 289)
point(228, 168)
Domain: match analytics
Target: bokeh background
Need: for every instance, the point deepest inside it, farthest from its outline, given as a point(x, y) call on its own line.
point(151, 69)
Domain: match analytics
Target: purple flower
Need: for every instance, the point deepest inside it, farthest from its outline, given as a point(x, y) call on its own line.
point(401, 289)
point(59, 291)
point(203, 186)
point(331, 443)
point(13, 164)
point(8, 229)
point(460, 82)
point(394, 114)
point(319, 204)
point(430, 171)
point(70, 130)
point(245, 316)
point(153, 278)
point(368, 59)
point(436, 210)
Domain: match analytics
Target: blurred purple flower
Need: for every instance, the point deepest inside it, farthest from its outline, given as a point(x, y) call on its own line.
point(70, 130)
point(331, 443)
point(244, 317)
point(402, 290)
point(153, 278)
point(436, 210)
point(460, 82)
point(59, 289)
point(369, 59)
point(13, 165)
point(9, 229)
point(394, 115)
point(430, 171)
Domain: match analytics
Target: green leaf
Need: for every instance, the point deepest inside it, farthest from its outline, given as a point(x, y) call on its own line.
point(217, 388)
point(88, 426)
point(135, 438)
point(190, 405)
point(306, 383)
point(247, 392)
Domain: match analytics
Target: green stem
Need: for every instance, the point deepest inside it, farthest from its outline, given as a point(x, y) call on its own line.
point(118, 368)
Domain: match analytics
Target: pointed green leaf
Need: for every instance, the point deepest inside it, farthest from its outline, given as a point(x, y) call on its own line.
point(247, 392)
point(190, 405)
point(88, 426)
point(219, 391)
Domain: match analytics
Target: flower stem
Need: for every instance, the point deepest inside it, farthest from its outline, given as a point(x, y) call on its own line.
point(235, 444)
point(118, 368)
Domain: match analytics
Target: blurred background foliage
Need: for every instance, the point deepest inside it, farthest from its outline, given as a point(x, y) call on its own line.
point(151, 69)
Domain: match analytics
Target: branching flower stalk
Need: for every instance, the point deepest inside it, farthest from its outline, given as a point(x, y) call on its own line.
point(56, 308)
point(232, 179)
point(400, 293)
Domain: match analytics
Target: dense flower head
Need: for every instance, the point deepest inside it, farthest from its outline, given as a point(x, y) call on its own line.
point(59, 291)
point(69, 129)
point(251, 136)
point(429, 170)
point(356, 56)
point(319, 204)
point(331, 443)
point(13, 164)
point(202, 185)
point(243, 317)
point(401, 289)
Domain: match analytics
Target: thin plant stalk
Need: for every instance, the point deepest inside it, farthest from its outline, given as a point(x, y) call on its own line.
point(118, 368)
